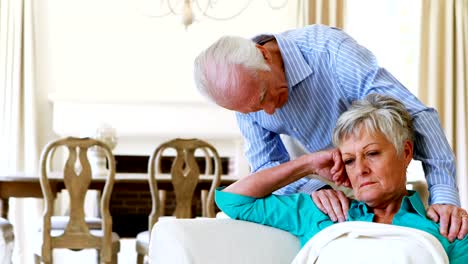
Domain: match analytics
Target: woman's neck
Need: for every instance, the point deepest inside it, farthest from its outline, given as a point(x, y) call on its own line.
point(384, 213)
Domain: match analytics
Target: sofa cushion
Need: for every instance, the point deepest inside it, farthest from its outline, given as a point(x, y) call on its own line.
point(206, 241)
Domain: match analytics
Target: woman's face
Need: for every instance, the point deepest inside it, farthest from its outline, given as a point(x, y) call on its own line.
point(376, 172)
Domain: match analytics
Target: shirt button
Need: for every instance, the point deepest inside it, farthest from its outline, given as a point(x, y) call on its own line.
point(295, 129)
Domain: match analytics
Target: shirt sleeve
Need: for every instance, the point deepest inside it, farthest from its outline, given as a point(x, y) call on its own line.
point(295, 213)
point(264, 149)
point(359, 75)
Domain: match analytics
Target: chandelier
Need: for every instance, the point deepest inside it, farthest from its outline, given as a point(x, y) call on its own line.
point(192, 10)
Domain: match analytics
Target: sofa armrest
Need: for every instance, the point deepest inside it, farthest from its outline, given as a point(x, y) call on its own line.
point(208, 240)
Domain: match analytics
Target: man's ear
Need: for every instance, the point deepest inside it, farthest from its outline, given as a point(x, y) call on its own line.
point(266, 54)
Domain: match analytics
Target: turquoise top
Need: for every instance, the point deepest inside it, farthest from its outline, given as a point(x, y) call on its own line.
point(298, 214)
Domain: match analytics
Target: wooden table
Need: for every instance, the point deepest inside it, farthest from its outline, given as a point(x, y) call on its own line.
point(22, 186)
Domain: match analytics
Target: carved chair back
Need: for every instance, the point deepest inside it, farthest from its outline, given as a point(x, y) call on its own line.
point(77, 175)
point(185, 174)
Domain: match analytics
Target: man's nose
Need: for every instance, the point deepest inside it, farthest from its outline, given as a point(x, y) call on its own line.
point(270, 111)
point(269, 108)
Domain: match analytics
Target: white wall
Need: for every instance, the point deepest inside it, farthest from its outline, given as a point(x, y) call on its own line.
point(112, 50)
point(110, 61)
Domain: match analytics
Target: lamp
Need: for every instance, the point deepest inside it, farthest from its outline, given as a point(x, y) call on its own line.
point(192, 9)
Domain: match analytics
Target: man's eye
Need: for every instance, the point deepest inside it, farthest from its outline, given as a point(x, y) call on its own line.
point(372, 153)
point(348, 161)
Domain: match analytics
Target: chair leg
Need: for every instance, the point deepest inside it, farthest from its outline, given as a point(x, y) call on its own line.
point(37, 259)
point(115, 259)
point(140, 258)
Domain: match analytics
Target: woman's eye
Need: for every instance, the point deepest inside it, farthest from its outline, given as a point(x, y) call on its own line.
point(348, 161)
point(372, 153)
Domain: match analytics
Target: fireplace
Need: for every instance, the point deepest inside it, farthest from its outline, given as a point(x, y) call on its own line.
point(140, 128)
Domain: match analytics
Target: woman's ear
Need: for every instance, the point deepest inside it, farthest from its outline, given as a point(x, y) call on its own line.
point(266, 54)
point(408, 151)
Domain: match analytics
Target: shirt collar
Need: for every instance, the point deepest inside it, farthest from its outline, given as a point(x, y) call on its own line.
point(295, 66)
point(412, 202)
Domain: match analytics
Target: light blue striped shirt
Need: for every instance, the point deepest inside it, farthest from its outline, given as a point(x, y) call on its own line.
point(326, 71)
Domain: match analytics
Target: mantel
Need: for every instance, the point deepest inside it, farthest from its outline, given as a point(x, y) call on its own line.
point(141, 126)
point(143, 118)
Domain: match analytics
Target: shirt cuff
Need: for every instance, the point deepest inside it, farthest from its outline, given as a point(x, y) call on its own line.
point(444, 194)
point(292, 188)
point(303, 185)
point(311, 186)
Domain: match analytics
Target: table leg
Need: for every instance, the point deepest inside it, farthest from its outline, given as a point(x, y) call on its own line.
point(4, 206)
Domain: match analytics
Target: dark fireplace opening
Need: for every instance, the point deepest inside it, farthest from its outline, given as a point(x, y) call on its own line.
point(131, 206)
point(139, 164)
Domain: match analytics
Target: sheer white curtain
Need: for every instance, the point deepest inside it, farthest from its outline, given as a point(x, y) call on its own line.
point(444, 75)
point(19, 150)
point(327, 12)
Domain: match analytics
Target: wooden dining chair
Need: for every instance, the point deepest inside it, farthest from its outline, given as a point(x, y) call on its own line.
point(185, 176)
point(77, 235)
point(60, 222)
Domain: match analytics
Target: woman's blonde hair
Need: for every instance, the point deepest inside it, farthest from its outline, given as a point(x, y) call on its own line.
point(376, 113)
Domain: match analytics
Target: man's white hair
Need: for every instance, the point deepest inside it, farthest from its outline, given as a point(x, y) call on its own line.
point(376, 113)
point(217, 67)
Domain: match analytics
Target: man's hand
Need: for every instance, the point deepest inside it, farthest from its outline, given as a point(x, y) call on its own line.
point(333, 203)
point(453, 220)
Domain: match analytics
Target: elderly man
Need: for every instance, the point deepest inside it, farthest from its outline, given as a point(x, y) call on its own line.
point(297, 83)
point(375, 146)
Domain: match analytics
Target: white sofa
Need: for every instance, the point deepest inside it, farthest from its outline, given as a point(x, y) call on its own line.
point(226, 241)
point(215, 241)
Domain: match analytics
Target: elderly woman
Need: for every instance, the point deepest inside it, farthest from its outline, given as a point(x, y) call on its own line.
point(374, 140)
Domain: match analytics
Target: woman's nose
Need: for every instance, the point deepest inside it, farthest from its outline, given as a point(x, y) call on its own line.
point(362, 167)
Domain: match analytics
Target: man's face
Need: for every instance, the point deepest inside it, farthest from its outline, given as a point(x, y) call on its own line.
point(273, 92)
point(376, 172)
point(267, 91)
